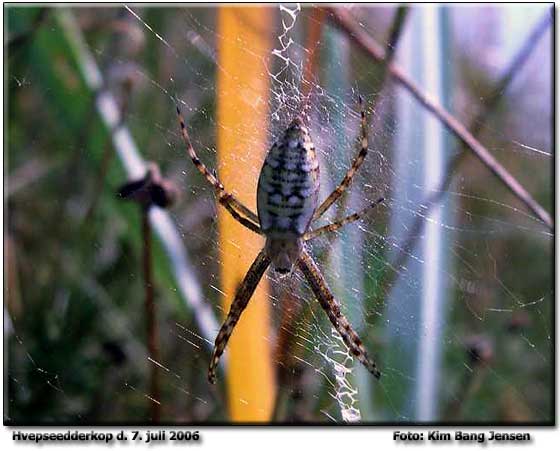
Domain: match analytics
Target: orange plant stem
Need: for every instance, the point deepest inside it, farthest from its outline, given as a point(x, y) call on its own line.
point(244, 45)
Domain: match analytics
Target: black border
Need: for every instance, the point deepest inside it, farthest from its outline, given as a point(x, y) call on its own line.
point(545, 424)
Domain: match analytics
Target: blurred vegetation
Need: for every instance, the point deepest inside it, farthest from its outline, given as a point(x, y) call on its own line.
point(73, 282)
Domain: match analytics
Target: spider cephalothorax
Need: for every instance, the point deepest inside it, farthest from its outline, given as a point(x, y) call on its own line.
point(287, 204)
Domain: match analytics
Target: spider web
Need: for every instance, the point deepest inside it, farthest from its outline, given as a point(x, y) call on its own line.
point(493, 274)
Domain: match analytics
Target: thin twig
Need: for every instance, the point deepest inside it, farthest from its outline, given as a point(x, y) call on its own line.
point(395, 32)
point(480, 354)
point(470, 383)
point(315, 21)
point(108, 52)
point(151, 317)
point(292, 307)
point(394, 35)
point(360, 37)
point(31, 171)
point(515, 66)
point(106, 159)
point(135, 167)
point(286, 351)
point(476, 125)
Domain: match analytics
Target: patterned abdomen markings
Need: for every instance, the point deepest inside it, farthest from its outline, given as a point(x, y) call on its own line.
point(289, 183)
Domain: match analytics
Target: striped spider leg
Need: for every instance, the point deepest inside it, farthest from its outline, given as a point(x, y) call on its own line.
point(331, 306)
point(240, 212)
point(287, 200)
point(333, 227)
point(242, 297)
point(358, 160)
point(344, 185)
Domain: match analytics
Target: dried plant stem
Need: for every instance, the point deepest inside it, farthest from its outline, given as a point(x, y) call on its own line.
point(151, 317)
point(106, 158)
point(471, 382)
point(128, 154)
point(315, 22)
point(395, 33)
point(361, 38)
point(292, 306)
point(286, 352)
point(476, 125)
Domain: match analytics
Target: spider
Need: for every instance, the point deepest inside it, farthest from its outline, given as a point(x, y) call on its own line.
point(287, 206)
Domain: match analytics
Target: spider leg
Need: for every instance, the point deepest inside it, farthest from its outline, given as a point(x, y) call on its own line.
point(358, 160)
point(319, 286)
point(339, 224)
point(242, 297)
point(242, 219)
point(235, 207)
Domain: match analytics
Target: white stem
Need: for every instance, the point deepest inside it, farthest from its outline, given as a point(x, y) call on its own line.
point(431, 299)
point(135, 167)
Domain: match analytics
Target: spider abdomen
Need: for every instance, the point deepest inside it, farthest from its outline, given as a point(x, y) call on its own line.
point(288, 186)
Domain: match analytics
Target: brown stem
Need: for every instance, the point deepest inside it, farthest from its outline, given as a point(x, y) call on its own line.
point(151, 319)
point(292, 307)
point(515, 66)
point(469, 386)
point(395, 33)
point(315, 28)
point(109, 52)
point(106, 158)
point(476, 125)
point(361, 38)
point(285, 348)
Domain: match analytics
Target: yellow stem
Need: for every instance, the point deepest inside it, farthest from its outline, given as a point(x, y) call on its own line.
point(243, 88)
